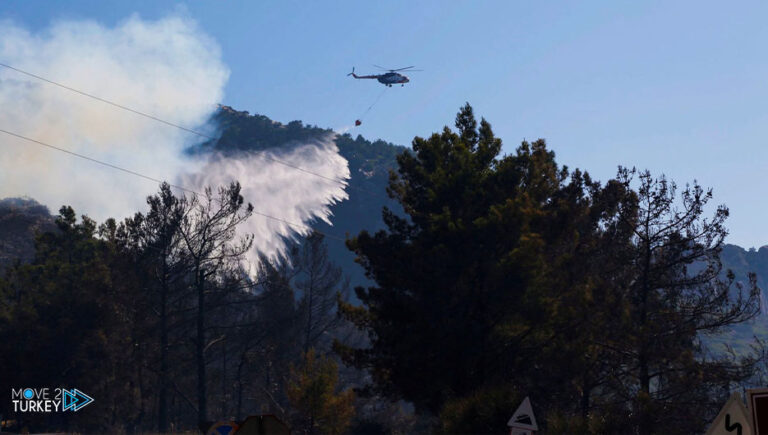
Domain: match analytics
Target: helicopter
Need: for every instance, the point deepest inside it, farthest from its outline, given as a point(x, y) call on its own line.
point(391, 77)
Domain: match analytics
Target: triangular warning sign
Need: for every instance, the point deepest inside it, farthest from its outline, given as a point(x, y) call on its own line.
point(523, 418)
point(733, 419)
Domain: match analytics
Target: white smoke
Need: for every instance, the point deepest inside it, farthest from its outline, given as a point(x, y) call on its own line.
point(167, 68)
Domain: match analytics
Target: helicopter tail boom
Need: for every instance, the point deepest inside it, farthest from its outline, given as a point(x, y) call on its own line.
point(360, 77)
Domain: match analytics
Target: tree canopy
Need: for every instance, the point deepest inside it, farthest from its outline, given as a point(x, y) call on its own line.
point(496, 277)
point(514, 270)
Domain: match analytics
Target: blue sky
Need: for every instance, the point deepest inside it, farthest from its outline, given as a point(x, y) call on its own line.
point(675, 87)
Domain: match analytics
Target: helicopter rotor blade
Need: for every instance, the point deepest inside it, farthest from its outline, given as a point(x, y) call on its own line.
point(395, 70)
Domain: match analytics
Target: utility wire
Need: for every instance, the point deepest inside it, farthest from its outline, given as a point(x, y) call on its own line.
point(181, 127)
point(156, 180)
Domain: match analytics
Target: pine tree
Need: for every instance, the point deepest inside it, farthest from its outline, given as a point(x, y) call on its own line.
point(313, 392)
point(320, 283)
point(153, 243)
point(61, 324)
point(469, 292)
point(210, 242)
point(673, 294)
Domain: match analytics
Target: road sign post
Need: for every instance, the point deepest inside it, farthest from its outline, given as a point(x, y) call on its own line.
point(757, 401)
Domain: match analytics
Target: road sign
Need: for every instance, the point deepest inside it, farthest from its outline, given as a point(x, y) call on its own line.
point(523, 418)
point(757, 401)
point(733, 419)
point(222, 428)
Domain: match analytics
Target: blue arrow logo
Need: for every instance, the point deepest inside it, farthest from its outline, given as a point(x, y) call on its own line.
point(74, 399)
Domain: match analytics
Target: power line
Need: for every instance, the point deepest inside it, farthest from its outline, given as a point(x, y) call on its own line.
point(156, 180)
point(181, 127)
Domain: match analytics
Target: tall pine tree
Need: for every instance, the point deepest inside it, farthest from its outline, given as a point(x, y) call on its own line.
point(468, 287)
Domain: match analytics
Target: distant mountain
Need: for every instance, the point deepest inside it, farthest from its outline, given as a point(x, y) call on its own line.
point(743, 261)
point(20, 219)
point(369, 165)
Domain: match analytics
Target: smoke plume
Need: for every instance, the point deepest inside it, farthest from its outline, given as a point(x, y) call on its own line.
point(167, 68)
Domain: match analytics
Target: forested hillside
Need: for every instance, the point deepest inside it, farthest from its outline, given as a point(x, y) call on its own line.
point(743, 261)
point(496, 277)
point(20, 220)
point(369, 166)
point(167, 347)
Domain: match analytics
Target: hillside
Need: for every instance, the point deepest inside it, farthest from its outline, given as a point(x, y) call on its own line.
point(369, 165)
point(743, 261)
point(20, 219)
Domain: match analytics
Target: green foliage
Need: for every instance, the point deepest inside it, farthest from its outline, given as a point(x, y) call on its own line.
point(589, 297)
point(313, 392)
point(671, 291)
point(241, 131)
point(60, 323)
point(469, 269)
point(496, 277)
point(485, 411)
point(115, 311)
point(20, 220)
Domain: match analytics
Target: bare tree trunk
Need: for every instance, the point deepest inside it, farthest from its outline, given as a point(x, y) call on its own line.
point(162, 405)
point(200, 348)
point(224, 407)
point(239, 413)
point(585, 395)
point(644, 377)
point(308, 336)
